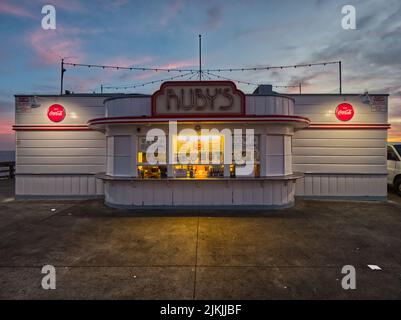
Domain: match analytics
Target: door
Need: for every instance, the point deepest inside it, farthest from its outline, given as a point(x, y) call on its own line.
point(392, 161)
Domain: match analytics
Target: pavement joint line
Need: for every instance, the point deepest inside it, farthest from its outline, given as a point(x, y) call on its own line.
point(57, 213)
point(196, 258)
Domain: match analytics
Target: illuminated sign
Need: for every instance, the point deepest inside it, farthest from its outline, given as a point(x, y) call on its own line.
point(56, 113)
point(198, 98)
point(344, 112)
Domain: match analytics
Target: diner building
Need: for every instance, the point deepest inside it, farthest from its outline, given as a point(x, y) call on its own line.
point(263, 149)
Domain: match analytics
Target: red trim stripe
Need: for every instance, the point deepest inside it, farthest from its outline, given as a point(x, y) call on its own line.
point(130, 120)
point(360, 126)
point(133, 120)
point(51, 128)
point(195, 118)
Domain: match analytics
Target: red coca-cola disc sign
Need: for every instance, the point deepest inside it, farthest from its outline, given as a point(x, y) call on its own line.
point(56, 113)
point(344, 112)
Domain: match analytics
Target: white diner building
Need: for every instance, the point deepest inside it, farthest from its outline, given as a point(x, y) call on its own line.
point(304, 145)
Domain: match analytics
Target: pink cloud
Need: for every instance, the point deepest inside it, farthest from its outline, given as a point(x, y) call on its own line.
point(127, 61)
point(179, 64)
point(51, 45)
point(67, 5)
point(6, 125)
point(160, 74)
point(12, 9)
point(107, 76)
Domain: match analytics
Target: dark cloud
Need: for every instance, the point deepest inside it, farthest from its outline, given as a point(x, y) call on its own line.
point(366, 20)
point(214, 16)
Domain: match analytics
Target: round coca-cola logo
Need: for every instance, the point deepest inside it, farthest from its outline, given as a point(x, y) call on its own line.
point(344, 112)
point(56, 113)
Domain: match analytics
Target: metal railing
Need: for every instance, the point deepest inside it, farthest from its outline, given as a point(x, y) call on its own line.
point(7, 169)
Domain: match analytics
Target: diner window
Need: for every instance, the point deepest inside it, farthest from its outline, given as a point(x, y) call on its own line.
point(241, 153)
point(199, 157)
point(144, 168)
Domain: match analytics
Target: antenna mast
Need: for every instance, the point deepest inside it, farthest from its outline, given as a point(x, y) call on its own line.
point(200, 57)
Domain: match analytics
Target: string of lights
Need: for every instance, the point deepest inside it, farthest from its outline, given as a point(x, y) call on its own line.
point(147, 83)
point(248, 83)
point(193, 75)
point(273, 67)
point(256, 68)
point(194, 72)
point(205, 75)
point(225, 78)
point(125, 67)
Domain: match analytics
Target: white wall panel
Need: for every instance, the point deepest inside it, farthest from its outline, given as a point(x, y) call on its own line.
point(338, 151)
point(345, 185)
point(59, 169)
point(79, 109)
point(321, 108)
point(60, 160)
point(340, 168)
point(268, 105)
point(61, 151)
point(84, 143)
point(128, 106)
point(58, 185)
point(341, 142)
point(59, 135)
point(199, 193)
point(341, 134)
point(275, 155)
point(339, 159)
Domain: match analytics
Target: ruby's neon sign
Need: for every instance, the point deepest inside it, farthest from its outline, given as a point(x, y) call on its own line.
point(198, 98)
point(344, 112)
point(56, 113)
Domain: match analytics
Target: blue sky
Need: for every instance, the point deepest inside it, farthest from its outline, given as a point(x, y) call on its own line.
point(165, 34)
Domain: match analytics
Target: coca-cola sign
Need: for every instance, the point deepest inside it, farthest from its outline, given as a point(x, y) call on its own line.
point(344, 112)
point(56, 113)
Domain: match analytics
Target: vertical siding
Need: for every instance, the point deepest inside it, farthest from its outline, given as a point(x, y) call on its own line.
point(60, 185)
point(345, 185)
point(199, 193)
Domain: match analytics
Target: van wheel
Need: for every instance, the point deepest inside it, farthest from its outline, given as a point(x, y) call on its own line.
point(397, 186)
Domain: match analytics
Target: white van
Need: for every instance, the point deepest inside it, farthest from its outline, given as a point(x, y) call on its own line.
point(394, 166)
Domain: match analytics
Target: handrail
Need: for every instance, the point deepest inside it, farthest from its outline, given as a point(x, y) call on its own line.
point(10, 169)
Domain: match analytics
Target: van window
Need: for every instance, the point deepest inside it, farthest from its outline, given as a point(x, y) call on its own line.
point(391, 154)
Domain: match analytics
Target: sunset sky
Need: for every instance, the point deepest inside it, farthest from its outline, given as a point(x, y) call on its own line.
point(165, 34)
